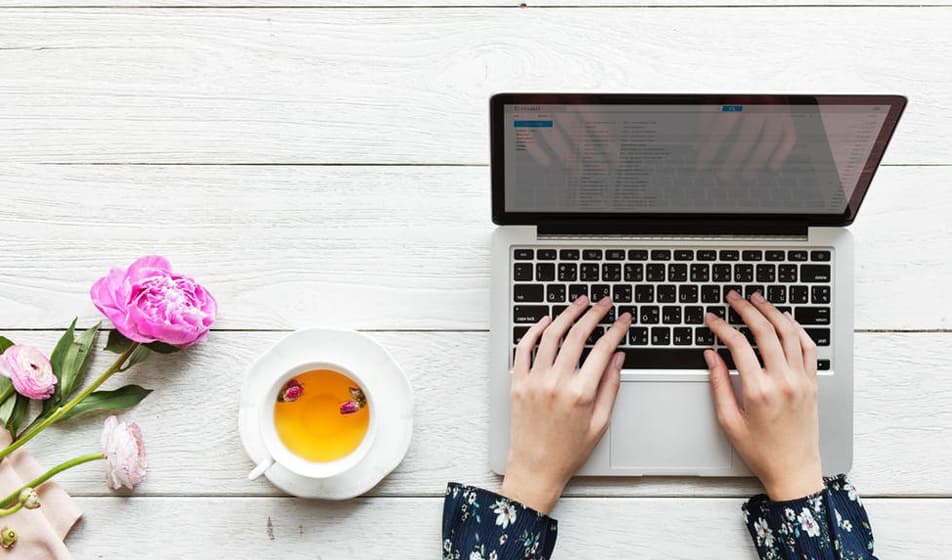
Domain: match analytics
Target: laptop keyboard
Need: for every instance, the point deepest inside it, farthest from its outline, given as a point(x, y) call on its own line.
point(668, 291)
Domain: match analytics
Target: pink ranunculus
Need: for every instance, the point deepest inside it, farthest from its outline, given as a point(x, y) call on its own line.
point(29, 370)
point(147, 302)
point(124, 452)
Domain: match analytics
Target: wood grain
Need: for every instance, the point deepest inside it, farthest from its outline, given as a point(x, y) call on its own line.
point(366, 247)
point(513, 4)
point(176, 528)
point(412, 85)
point(903, 403)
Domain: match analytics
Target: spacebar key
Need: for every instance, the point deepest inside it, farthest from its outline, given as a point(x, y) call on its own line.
point(664, 358)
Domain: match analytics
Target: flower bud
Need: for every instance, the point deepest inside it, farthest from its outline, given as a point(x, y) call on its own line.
point(291, 392)
point(8, 537)
point(29, 498)
point(349, 407)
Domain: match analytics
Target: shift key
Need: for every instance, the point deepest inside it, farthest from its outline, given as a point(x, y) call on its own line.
point(529, 313)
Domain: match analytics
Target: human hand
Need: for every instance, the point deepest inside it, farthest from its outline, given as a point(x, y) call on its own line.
point(560, 411)
point(776, 431)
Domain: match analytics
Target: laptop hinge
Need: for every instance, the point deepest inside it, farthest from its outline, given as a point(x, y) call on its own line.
point(704, 227)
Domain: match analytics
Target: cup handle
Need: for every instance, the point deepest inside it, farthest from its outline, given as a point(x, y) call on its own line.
point(260, 468)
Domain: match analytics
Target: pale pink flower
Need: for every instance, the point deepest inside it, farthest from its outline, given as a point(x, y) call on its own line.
point(124, 452)
point(29, 370)
point(147, 302)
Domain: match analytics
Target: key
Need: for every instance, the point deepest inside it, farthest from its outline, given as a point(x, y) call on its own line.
point(729, 255)
point(545, 254)
point(700, 273)
point(655, 272)
point(518, 333)
point(774, 255)
point(667, 293)
point(611, 272)
point(592, 254)
point(722, 272)
point(522, 272)
point(568, 272)
point(522, 254)
point(576, 290)
point(638, 336)
point(711, 294)
point(661, 255)
point(820, 336)
point(597, 333)
point(637, 255)
point(743, 273)
point(703, 336)
point(687, 293)
point(568, 254)
point(631, 310)
point(820, 256)
point(718, 310)
point(748, 335)
point(558, 309)
point(694, 315)
point(529, 313)
point(527, 292)
point(684, 255)
point(777, 294)
point(589, 272)
point(820, 294)
point(621, 293)
point(615, 255)
point(555, 293)
point(677, 272)
point(545, 272)
point(671, 315)
point(766, 273)
point(609, 317)
point(815, 273)
point(823, 365)
point(644, 293)
point(798, 294)
point(634, 272)
point(650, 315)
point(787, 272)
point(751, 289)
point(751, 255)
point(600, 291)
point(683, 336)
point(796, 256)
point(660, 336)
point(733, 317)
point(727, 288)
point(664, 358)
point(707, 255)
point(812, 315)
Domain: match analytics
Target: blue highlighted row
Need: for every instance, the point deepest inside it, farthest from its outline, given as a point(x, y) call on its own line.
point(732, 108)
point(533, 124)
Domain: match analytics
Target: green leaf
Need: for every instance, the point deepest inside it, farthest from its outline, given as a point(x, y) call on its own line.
point(138, 355)
point(120, 399)
point(162, 348)
point(4, 344)
point(6, 407)
point(20, 406)
point(117, 343)
point(74, 364)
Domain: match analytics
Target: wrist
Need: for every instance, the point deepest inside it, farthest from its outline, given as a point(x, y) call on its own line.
point(532, 491)
point(795, 486)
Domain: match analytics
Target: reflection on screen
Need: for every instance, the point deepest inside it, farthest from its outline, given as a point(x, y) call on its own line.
point(764, 158)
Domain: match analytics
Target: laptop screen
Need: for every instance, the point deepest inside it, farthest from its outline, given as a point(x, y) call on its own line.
point(750, 155)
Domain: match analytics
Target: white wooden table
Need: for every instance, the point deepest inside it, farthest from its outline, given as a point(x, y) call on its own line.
point(325, 162)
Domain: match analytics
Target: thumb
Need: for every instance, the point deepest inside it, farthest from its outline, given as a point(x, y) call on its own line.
point(607, 391)
point(725, 403)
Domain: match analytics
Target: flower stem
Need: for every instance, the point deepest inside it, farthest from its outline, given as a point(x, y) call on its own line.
point(59, 412)
point(11, 510)
point(35, 483)
point(6, 393)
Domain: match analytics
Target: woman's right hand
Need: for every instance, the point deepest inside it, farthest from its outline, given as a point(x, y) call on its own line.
point(776, 428)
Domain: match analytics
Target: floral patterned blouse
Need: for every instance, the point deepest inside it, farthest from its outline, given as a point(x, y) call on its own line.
point(829, 525)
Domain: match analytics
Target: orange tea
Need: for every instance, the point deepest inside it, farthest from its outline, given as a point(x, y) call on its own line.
point(321, 415)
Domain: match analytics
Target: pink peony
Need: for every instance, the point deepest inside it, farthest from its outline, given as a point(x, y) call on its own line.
point(124, 452)
point(29, 370)
point(147, 302)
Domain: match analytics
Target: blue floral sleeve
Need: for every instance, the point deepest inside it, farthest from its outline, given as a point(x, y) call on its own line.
point(482, 525)
point(829, 525)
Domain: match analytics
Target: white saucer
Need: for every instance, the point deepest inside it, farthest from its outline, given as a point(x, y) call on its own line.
point(353, 351)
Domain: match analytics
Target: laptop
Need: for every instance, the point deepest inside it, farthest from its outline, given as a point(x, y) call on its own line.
point(664, 203)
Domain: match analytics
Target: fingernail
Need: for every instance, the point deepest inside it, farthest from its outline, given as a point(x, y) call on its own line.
point(544, 320)
point(581, 300)
point(733, 295)
point(790, 317)
point(757, 297)
point(605, 300)
point(626, 316)
point(709, 358)
point(708, 317)
point(618, 361)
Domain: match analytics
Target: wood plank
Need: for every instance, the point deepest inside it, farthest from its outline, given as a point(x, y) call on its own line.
point(365, 247)
point(314, 85)
point(410, 528)
point(903, 399)
point(514, 4)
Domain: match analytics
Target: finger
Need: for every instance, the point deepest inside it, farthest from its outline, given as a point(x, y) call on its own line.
point(596, 362)
point(743, 144)
point(808, 347)
point(788, 332)
point(725, 402)
point(747, 365)
point(523, 361)
point(605, 396)
point(767, 145)
point(763, 331)
point(549, 347)
point(787, 142)
point(575, 341)
point(721, 126)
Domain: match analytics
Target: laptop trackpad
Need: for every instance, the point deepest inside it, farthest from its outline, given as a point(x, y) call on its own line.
point(669, 426)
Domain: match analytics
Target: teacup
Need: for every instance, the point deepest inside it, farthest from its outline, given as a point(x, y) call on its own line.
point(279, 453)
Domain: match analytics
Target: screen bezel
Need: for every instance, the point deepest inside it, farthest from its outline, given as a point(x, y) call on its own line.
point(500, 216)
